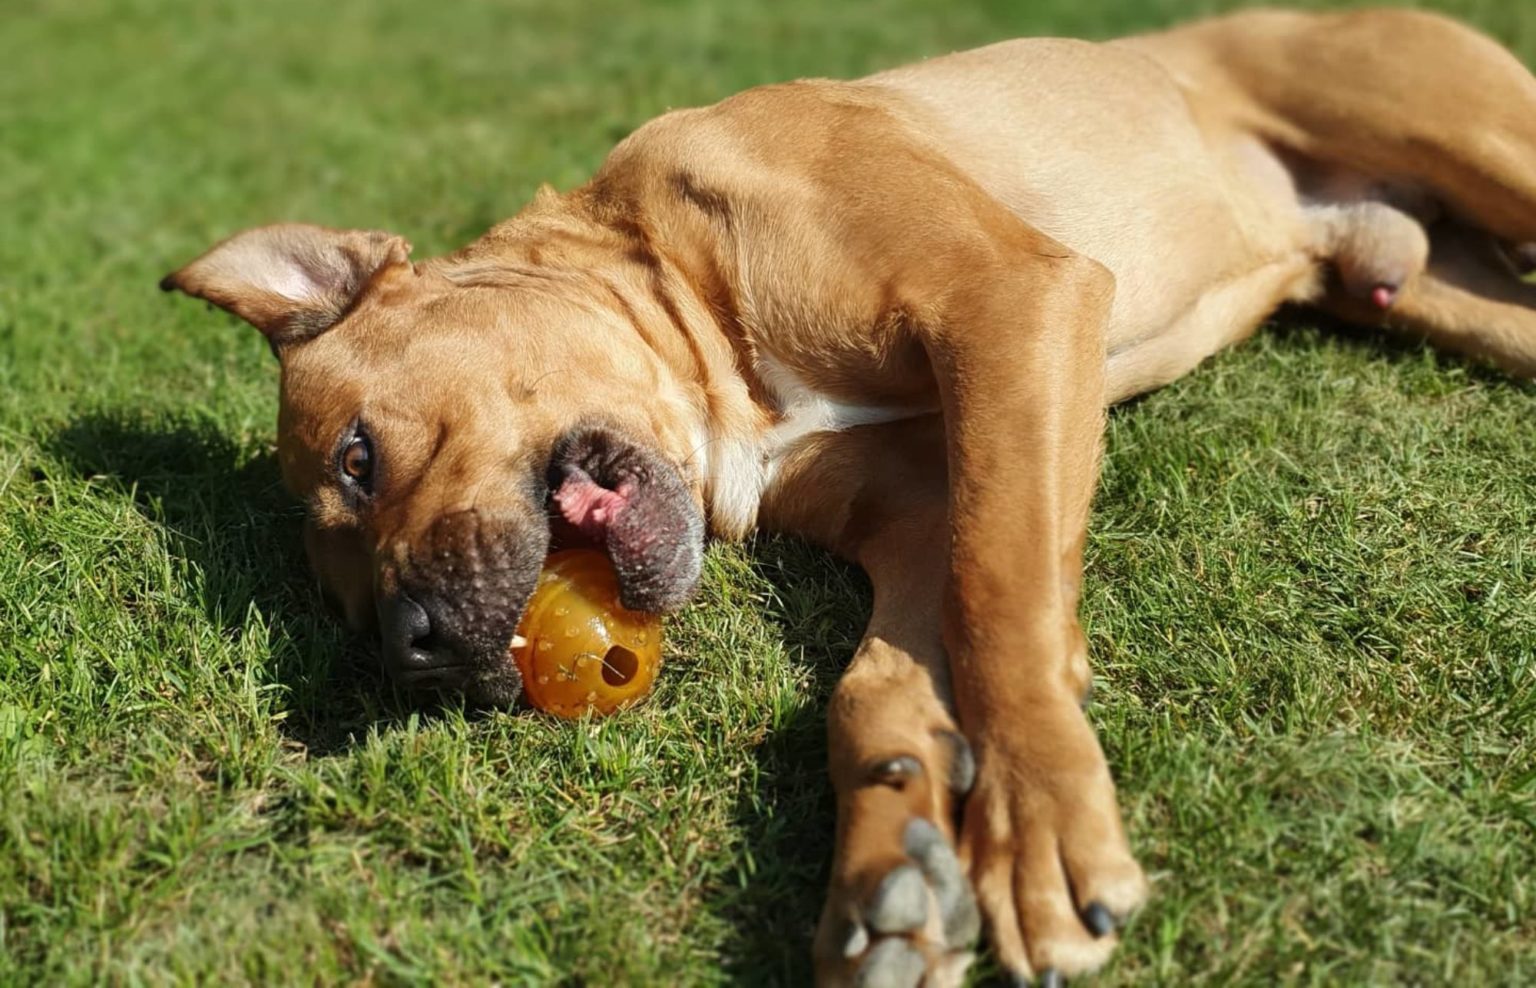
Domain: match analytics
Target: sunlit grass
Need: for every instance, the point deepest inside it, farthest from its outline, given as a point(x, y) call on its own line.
point(1310, 588)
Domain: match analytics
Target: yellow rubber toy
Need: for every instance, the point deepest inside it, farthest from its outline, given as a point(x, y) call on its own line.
point(583, 651)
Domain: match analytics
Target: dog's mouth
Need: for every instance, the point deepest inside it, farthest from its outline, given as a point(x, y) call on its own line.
point(610, 493)
point(451, 615)
point(587, 508)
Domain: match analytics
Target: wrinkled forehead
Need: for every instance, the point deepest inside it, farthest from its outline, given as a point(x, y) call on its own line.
point(450, 355)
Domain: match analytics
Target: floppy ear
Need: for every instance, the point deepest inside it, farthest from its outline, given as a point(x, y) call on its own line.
point(292, 281)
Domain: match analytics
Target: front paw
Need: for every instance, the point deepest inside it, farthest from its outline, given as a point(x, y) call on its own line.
point(1042, 840)
point(899, 911)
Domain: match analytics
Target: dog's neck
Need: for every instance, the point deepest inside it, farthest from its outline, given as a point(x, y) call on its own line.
point(572, 244)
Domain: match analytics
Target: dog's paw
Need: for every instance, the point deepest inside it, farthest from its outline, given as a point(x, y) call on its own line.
point(1045, 850)
point(915, 926)
point(900, 912)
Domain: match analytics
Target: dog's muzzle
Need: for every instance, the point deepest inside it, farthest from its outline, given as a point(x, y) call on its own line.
point(454, 603)
point(449, 623)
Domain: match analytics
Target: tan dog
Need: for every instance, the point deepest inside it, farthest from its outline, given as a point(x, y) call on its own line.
point(888, 315)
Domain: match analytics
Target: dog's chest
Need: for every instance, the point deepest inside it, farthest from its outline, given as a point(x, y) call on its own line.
point(804, 411)
point(742, 470)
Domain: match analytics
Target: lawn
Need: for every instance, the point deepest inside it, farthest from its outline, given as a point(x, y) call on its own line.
point(1311, 586)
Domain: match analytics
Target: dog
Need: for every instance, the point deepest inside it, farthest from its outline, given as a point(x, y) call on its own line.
point(888, 315)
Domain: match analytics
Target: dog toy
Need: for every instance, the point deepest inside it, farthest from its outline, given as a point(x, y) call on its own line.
point(578, 648)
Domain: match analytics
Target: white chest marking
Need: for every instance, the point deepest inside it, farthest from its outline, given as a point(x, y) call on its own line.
point(740, 469)
point(805, 411)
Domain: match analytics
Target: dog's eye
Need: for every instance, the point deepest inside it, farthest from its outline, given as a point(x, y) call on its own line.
point(357, 461)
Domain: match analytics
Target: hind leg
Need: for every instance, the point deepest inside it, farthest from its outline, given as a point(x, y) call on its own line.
point(1412, 95)
point(1472, 302)
point(1417, 98)
point(1399, 95)
point(1466, 129)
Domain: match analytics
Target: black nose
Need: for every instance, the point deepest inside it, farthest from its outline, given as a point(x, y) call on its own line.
point(411, 657)
point(454, 602)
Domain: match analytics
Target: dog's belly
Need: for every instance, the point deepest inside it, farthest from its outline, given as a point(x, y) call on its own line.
point(1096, 146)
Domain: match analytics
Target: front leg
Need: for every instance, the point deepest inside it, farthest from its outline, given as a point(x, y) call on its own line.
point(1018, 352)
point(1017, 347)
point(898, 905)
point(850, 249)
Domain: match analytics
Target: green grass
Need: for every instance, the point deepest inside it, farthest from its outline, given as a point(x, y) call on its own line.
point(1310, 585)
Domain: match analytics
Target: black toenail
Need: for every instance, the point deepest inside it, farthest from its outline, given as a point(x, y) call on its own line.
point(962, 763)
point(896, 771)
point(1098, 919)
point(1051, 978)
point(1087, 695)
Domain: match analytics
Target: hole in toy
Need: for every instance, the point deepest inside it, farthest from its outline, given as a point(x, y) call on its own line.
point(620, 666)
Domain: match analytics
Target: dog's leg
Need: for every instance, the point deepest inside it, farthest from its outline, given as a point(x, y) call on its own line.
point(1471, 301)
point(1016, 331)
point(1019, 357)
point(945, 294)
point(898, 905)
point(1402, 95)
point(1226, 313)
point(1412, 99)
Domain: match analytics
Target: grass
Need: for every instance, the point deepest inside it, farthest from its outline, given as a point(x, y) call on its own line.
point(1310, 587)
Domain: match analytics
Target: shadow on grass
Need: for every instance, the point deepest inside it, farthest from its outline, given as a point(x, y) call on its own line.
point(1303, 327)
point(820, 606)
point(226, 514)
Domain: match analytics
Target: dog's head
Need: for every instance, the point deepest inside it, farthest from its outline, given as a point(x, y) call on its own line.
point(443, 423)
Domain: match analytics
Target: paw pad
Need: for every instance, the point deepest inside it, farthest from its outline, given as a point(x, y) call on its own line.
point(941, 867)
point(893, 963)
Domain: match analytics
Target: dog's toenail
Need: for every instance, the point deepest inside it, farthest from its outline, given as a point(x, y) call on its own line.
point(962, 763)
point(1051, 978)
point(1087, 694)
point(893, 963)
point(1098, 919)
point(900, 902)
point(855, 940)
point(896, 771)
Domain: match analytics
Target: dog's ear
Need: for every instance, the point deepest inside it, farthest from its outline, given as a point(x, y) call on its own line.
point(292, 281)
